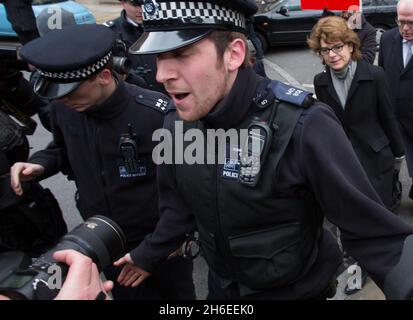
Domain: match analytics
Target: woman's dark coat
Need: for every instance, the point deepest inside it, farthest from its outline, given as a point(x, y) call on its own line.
point(369, 121)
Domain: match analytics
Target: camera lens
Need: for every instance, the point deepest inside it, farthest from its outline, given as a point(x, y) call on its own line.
point(99, 238)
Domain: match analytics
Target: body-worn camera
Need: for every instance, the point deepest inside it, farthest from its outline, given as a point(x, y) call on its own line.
point(98, 237)
point(122, 65)
point(129, 151)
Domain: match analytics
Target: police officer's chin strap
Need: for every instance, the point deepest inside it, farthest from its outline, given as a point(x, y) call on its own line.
point(398, 284)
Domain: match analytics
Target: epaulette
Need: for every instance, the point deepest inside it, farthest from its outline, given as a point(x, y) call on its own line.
point(109, 23)
point(290, 94)
point(153, 100)
point(171, 106)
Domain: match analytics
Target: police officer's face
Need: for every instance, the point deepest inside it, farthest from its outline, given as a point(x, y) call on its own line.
point(90, 93)
point(336, 55)
point(133, 12)
point(196, 79)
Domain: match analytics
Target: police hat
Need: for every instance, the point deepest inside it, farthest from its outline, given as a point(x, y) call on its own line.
point(67, 57)
point(170, 25)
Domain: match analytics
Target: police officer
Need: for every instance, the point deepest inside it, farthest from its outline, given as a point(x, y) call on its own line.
point(128, 28)
point(259, 210)
point(102, 129)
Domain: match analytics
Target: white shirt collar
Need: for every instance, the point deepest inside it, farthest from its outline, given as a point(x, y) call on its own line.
point(132, 22)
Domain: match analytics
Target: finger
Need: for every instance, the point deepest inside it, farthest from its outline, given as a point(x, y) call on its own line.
point(132, 279)
point(81, 267)
point(14, 178)
point(68, 256)
point(97, 285)
point(95, 277)
point(125, 259)
point(125, 273)
point(30, 171)
point(129, 258)
point(129, 274)
point(120, 262)
point(138, 281)
point(27, 171)
point(108, 285)
point(122, 274)
point(18, 190)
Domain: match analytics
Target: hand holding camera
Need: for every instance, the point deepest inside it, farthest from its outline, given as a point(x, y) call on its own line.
point(82, 280)
point(64, 274)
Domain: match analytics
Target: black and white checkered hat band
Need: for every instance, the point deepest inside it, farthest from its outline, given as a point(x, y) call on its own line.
point(195, 12)
point(77, 75)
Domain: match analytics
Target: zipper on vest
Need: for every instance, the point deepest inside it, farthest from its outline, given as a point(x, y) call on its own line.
point(220, 237)
point(102, 173)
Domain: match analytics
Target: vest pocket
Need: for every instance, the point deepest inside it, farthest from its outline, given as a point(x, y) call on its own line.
point(379, 143)
point(268, 258)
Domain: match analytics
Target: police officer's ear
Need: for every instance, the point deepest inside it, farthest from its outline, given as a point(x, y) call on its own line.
point(104, 77)
point(235, 54)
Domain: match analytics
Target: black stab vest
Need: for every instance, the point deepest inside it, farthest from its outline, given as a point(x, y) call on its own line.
point(252, 236)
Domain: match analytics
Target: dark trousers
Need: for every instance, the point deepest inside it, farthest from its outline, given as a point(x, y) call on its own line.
point(215, 290)
point(408, 146)
point(172, 280)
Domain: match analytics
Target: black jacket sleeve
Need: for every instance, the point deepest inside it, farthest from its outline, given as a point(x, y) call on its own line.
point(369, 232)
point(174, 223)
point(54, 157)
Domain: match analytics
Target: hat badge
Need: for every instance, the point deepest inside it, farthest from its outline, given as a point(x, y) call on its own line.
point(151, 7)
